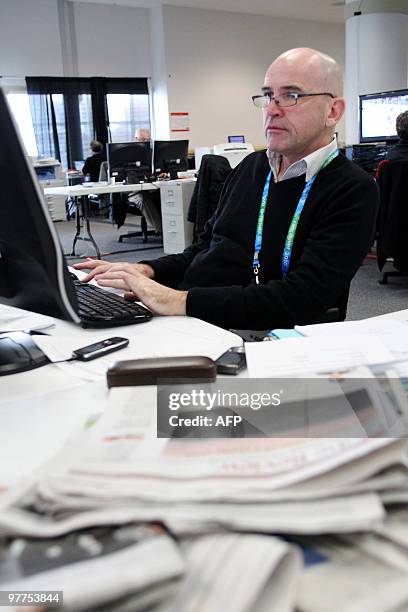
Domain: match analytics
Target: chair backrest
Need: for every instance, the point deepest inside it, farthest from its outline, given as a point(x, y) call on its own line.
point(214, 170)
point(392, 226)
point(103, 171)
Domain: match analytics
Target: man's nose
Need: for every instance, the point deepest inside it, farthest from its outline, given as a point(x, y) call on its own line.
point(273, 108)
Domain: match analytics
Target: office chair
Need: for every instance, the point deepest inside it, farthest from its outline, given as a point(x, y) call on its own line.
point(332, 315)
point(120, 208)
point(143, 205)
point(213, 172)
point(392, 224)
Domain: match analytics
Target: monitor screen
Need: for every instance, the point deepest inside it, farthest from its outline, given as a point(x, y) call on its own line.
point(236, 138)
point(125, 156)
point(45, 173)
point(33, 271)
point(378, 113)
point(170, 156)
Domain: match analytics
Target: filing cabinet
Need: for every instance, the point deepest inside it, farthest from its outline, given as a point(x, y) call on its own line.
point(175, 199)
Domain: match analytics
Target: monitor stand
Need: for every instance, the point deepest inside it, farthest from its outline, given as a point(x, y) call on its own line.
point(19, 353)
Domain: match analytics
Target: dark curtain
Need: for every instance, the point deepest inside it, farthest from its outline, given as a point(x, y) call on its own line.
point(99, 110)
point(41, 90)
point(43, 114)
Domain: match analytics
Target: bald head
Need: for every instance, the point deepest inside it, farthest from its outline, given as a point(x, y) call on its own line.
point(298, 129)
point(324, 73)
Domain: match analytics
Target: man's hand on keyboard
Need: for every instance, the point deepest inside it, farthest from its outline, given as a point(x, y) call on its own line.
point(99, 266)
point(158, 298)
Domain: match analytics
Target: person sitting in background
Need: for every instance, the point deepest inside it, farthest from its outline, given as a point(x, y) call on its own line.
point(399, 152)
point(93, 163)
point(142, 135)
point(292, 226)
point(148, 202)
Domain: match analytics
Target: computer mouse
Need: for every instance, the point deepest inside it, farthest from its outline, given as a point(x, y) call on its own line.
point(19, 353)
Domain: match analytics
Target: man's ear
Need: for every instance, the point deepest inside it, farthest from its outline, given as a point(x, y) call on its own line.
point(338, 106)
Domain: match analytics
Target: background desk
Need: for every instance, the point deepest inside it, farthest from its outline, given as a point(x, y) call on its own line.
point(175, 198)
point(80, 193)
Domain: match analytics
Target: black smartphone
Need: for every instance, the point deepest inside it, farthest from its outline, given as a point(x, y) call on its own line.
point(99, 349)
point(232, 361)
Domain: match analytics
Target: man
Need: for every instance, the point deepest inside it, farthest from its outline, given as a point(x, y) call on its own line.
point(314, 210)
point(399, 152)
point(148, 204)
point(92, 164)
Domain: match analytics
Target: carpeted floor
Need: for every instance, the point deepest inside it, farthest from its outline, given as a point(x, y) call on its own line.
point(367, 297)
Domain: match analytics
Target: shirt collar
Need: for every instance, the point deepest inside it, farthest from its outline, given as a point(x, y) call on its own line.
point(310, 164)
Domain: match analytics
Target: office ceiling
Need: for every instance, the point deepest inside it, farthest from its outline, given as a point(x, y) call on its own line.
point(328, 11)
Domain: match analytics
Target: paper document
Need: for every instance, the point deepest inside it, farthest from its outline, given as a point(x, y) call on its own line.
point(268, 570)
point(393, 334)
point(313, 355)
point(17, 319)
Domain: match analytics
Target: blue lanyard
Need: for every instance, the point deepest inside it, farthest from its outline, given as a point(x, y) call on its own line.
point(287, 251)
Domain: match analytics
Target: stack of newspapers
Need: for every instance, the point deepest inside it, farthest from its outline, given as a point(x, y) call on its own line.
point(227, 524)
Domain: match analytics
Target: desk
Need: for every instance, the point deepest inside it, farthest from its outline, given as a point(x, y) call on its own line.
point(55, 399)
point(82, 210)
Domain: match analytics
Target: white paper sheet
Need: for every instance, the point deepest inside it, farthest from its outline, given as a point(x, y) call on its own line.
point(314, 355)
point(17, 319)
point(393, 334)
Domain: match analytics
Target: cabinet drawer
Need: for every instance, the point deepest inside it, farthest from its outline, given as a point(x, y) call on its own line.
point(173, 230)
point(171, 200)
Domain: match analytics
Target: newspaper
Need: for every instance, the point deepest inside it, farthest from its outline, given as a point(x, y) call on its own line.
point(119, 471)
point(95, 566)
point(341, 576)
point(240, 573)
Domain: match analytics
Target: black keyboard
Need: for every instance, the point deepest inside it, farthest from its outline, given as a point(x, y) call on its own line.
point(99, 308)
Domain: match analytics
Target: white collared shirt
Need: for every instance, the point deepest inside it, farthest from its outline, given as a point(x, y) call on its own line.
point(309, 164)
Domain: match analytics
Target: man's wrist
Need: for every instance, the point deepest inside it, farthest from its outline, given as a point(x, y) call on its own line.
point(182, 302)
point(146, 270)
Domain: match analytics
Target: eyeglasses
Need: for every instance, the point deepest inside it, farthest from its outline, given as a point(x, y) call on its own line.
point(284, 100)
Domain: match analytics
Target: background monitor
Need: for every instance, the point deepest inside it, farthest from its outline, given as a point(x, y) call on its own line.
point(125, 157)
point(33, 271)
point(378, 113)
point(170, 156)
point(236, 138)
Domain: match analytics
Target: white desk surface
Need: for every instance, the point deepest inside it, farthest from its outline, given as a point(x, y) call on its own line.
point(99, 188)
point(398, 315)
point(41, 408)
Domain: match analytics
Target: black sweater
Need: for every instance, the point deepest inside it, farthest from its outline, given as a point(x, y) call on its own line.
point(333, 236)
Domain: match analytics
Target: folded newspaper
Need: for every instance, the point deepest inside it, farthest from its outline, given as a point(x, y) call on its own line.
point(97, 565)
point(118, 471)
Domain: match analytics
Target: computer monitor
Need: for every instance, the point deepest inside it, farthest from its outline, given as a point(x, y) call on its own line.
point(170, 156)
point(129, 160)
point(33, 270)
point(378, 112)
point(236, 138)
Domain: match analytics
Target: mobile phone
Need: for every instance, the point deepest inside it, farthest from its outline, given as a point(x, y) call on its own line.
point(232, 361)
point(99, 349)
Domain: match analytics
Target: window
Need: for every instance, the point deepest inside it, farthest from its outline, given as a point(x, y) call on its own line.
point(127, 113)
point(20, 106)
point(68, 112)
point(86, 122)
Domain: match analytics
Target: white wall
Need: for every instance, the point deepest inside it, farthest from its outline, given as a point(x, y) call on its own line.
point(217, 60)
point(29, 38)
point(112, 41)
point(208, 63)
